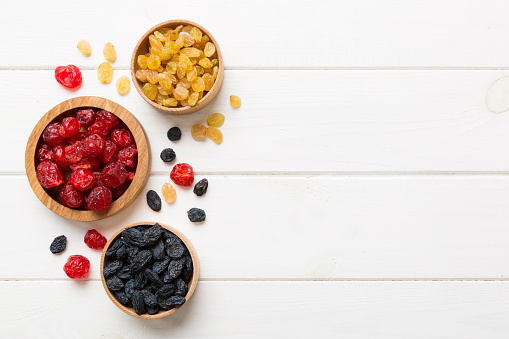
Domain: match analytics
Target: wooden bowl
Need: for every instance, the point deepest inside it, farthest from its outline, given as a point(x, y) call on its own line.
point(68, 108)
point(191, 285)
point(142, 48)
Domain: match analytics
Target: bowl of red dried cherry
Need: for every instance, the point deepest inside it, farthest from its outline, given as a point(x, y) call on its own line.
point(177, 67)
point(87, 158)
point(149, 270)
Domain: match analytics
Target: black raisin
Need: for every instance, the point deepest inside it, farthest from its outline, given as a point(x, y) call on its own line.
point(153, 234)
point(168, 155)
point(138, 302)
point(181, 287)
point(172, 302)
point(133, 236)
point(122, 253)
point(175, 268)
point(58, 244)
point(129, 288)
point(174, 134)
point(115, 245)
point(121, 297)
point(153, 200)
point(154, 278)
point(112, 268)
point(140, 280)
point(114, 283)
point(149, 298)
point(161, 265)
point(196, 215)
point(140, 260)
point(201, 187)
point(158, 250)
point(153, 310)
point(187, 273)
point(125, 272)
point(174, 247)
point(167, 290)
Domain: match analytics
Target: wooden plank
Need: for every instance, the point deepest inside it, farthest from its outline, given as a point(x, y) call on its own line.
point(349, 121)
point(269, 34)
point(294, 227)
point(266, 309)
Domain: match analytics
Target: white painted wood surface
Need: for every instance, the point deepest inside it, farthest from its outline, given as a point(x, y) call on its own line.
point(361, 190)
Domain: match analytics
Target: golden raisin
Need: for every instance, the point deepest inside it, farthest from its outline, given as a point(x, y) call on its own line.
point(171, 67)
point(170, 102)
point(192, 74)
point(198, 131)
point(180, 93)
point(150, 90)
point(184, 83)
point(209, 49)
point(153, 62)
point(215, 120)
point(193, 99)
point(198, 85)
point(152, 76)
point(196, 34)
point(208, 80)
point(215, 135)
point(84, 47)
point(185, 62)
point(105, 73)
point(190, 52)
point(141, 75)
point(109, 52)
point(187, 38)
point(142, 61)
point(123, 85)
point(234, 101)
point(169, 193)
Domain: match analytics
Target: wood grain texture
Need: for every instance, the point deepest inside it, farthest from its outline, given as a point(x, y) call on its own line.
point(142, 48)
point(65, 109)
point(297, 227)
point(462, 310)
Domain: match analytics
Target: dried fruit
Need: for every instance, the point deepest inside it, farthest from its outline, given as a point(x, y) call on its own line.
point(86, 117)
point(112, 268)
point(77, 267)
point(215, 120)
point(92, 146)
point(123, 85)
point(196, 215)
point(168, 155)
point(109, 119)
point(98, 128)
point(174, 134)
point(138, 303)
point(58, 245)
point(70, 126)
point(153, 200)
point(95, 240)
point(174, 247)
point(114, 283)
point(172, 302)
point(187, 273)
point(109, 52)
point(105, 73)
point(198, 131)
point(99, 199)
point(175, 268)
point(153, 234)
point(150, 90)
point(140, 260)
point(49, 174)
point(182, 174)
point(84, 47)
point(109, 153)
point(169, 193)
point(122, 137)
point(73, 153)
point(45, 152)
point(201, 187)
point(114, 174)
point(234, 101)
point(215, 135)
point(70, 196)
point(128, 156)
point(51, 134)
point(158, 250)
point(68, 76)
point(209, 49)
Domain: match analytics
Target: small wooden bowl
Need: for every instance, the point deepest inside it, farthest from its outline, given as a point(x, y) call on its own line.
point(191, 286)
point(142, 48)
point(68, 108)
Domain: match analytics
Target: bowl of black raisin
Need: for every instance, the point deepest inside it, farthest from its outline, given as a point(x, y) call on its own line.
point(149, 270)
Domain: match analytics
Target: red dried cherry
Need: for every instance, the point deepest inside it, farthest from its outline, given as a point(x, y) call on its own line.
point(182, 174)
point(109, 119)
point(99, 199)
point(86, 117)
point(109, 153)
point(92, 145)
point(49, 175)
point(83, 179)
point(78, 137)
point(118, 191)
point(122, 137)
point(128, 156)
point(73, 153)
point(51, 134)
point(88, 163)
point(70, 196)
point(114, 174)
point(44, 152)
point(77, 267)
point(68, 76)
point(70, 126)
point(95, 240)
point(98, 128)
point(98, 181)
point(59, 155)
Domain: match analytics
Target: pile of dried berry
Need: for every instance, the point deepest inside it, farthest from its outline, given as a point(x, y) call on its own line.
point(148, 268)
point(180, 68)
point(86, 161)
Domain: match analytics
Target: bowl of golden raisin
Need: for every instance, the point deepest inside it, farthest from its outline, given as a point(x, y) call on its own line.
point(177, 67)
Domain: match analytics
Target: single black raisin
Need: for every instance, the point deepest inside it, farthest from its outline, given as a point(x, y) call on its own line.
point(168, 155)
point(149, 298)
point(153, 277)
point(153, 200)
point(134, 236)
point(114, 283)
point(122, 253)
point(125, 272)
point(140, 280)
point(201, 187)
point(174, 134)
point(153, 234)
point(158, 250)
point(112, 268)
point(58, 244)
point(175, 268)
point(187, 273)
point(174, 247)
point(115, 245)
point(140, 260)
point(129, 288)
point(138, 302)
point(167, 290)
point(181, 287)
point(172, 302)
point(196, 215)
point(121, 297)
point(161, 265)
point(153, 310)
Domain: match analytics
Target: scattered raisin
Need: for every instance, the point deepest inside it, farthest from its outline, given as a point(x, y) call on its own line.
point(168, 155)
point(109, 52)
point(58, 245)
point(84, 47)
point(153, 200)
point(169, 193)
point(198, 131)
point(196, 215)
point(235, 101)
point(174, 134)
point(201, 187)
point(215, 135)
point(123, 85)
point(215, 120)
point(105, 73)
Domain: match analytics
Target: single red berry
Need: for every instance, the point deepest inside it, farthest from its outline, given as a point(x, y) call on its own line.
point(182, 174)
point(44, 153)
point(98, 128)
point(114, 174)
point(88, 163)
point(118, 191)
point(77, 267)
point(78, 137)
point(95, 240)
point(98, 181)
point(68, 76)
point(70, 126)
point(83, 179)
point(73, 153)
point(59, 155)
point(128, 156)
point(122, 137)
point(51, 134)
point(49, 175)
point(99, 198)
point(109, 119)
point(109, 153)
point(92, 145)
point(86, 117)
point(70, 196)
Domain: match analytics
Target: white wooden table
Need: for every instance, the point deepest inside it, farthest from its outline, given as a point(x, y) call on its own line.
point(361, 190)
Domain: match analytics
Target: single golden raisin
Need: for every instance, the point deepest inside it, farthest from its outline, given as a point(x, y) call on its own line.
point(198, 131)
point(166, 53)
point(169, 193)
point(105, 73)
point(160, 98)
point(179, 28)
point(152, 76)
point(235, 101)
point(171, 67)
point(192, 74)
point(180, 93)
point(190, 52)
point(123, 85)
point(154, 42)
point(185, 62)
point(193, 98)
point(183, 83)
point(141, 75)
point(198, 85)
point(179, 43)
point(142, 61)
point(161, 90)
point(153, 62)
point(109, 52)
point(209, 49)
point(165, 81)
point(205, 63)
point(187, 38)
point(200, 70)
point(181, 72)
point(172, 45)
point(184, 103)
point(215, 62)
point(170, 102)
point(187, 28)
point(196, 34)
point(201, 45)
point(172, 35)
point(215, 135)
point(208, 80)
point(215, 72)
point(84, 47)
point(150, 90)
point(160, 36)
point(215, 120)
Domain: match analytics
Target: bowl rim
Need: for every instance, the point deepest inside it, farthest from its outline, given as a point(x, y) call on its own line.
point(191, 287)
point(207, 98)
point(142, 169)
